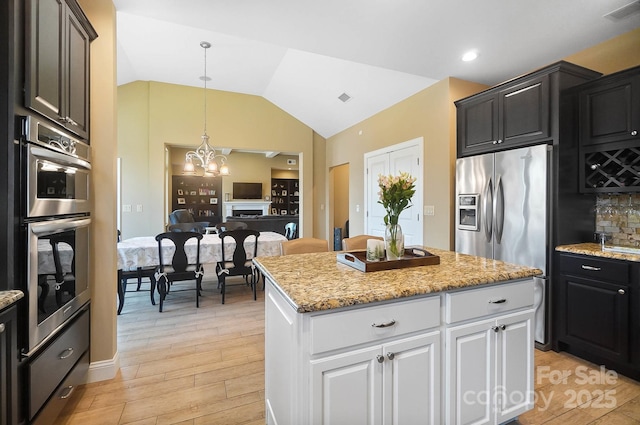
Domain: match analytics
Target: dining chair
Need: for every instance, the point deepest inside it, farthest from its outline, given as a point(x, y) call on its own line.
point(358, 242)
point(179, 269)
point(138, 273)
point(304, 246)
point(290, 230)
point(240, 265)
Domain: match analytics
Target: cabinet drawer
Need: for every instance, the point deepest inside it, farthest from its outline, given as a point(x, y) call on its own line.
point(63, 393)
point(48, 369)
point(474, 303)
point(373, 323)
point(595, 268)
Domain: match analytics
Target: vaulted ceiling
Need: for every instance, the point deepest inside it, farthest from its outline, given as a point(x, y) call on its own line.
point(302, 55)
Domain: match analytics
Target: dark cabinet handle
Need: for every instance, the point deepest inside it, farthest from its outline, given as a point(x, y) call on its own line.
point(500, 301)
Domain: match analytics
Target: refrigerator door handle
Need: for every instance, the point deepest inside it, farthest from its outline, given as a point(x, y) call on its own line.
point(487, 204)
point(499, 209)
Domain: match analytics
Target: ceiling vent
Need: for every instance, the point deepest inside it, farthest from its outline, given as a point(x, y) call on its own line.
point(624, 11)
point(344, 97)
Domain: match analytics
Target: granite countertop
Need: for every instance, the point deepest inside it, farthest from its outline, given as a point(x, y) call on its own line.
point(595, 250)
point(315, 282)
point(9, 297)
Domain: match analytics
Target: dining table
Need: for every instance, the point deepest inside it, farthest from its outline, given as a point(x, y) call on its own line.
point(142, 252)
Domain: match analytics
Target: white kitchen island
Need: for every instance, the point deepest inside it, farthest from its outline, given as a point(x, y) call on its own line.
point(449, 343)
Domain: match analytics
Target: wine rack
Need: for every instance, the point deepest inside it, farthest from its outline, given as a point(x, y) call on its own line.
point(612, 170)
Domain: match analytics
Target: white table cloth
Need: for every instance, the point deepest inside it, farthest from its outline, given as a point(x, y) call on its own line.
point(143, 251)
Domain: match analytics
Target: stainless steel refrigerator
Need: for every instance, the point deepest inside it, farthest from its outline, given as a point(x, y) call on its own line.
point(502, 212)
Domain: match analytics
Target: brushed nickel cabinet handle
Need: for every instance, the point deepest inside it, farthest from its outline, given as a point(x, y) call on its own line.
point(502, 327)
point(67, 392)
point(2, 327)
point(66, 353)
point(380, 358)
point(634, 133)
point(621, 291)
point(495, 328)
point(384, 325)
point(390, 356)
point(591, 268)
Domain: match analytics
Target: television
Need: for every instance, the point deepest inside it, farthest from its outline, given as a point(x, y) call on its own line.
point(247, 190)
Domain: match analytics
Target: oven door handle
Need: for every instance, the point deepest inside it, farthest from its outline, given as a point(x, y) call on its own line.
point(59, 158)
point(57, 226)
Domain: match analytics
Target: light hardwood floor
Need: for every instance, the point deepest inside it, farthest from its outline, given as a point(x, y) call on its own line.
point(193, 366)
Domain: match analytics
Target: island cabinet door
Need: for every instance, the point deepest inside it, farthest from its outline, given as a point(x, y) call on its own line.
point(515, 365)
point(412, 380)
point(347, 388)
point(470, 355)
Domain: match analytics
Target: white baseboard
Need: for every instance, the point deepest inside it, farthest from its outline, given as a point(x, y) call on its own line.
point(104, 370)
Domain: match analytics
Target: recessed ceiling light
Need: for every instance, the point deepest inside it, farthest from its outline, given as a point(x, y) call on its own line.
point(470, 55)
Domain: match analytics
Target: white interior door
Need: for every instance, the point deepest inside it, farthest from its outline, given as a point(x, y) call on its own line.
point(404, 157)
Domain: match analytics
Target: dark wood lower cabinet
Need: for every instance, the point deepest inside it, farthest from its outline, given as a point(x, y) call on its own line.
point(8, 366)
point(595, 310)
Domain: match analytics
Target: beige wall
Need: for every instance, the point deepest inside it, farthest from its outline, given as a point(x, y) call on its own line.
point(429, 114)
point(153, 115)
point(103, 261)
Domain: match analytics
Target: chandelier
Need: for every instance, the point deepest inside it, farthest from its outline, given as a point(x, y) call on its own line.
point(205, 155)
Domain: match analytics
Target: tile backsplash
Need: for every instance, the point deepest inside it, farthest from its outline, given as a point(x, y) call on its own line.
point(619, 216)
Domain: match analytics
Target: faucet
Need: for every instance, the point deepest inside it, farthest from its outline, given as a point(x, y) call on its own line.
point(602, 237)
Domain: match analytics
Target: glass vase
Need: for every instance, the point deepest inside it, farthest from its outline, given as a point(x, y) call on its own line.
point(393, 242)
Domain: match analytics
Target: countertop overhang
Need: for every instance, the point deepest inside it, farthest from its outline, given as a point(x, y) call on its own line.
point(595, 250)
point(316, 282)
point(7, 298)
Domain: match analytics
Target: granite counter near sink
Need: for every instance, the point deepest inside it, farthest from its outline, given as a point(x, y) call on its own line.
point(315, 282)
point(595, 250)
point(8, 298)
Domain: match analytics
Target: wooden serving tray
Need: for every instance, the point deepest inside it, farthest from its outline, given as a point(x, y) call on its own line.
point(413, 257)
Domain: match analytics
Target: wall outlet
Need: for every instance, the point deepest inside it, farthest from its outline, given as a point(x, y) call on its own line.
point(126, 208)
point(429, 210)
point(139, 208)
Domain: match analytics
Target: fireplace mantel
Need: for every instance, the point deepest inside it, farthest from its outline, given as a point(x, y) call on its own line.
point(247, 204)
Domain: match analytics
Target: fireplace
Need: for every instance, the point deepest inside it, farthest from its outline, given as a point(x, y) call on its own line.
point(256, 207)
point(245, 213)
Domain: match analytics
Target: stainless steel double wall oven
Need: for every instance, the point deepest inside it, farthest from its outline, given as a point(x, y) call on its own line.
point(55, 209)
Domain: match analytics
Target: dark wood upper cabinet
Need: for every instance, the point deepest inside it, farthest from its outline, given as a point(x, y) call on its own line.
point(516, 113)
point(609, 133)
point(610, 109)
point(58, 37)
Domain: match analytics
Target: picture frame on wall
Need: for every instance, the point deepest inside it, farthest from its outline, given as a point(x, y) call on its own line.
point(284, 193)
point(283, 212)
point(274, 211)
point(193, 193)
point(181, 201)
point(213, 200)
point(180, 192)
